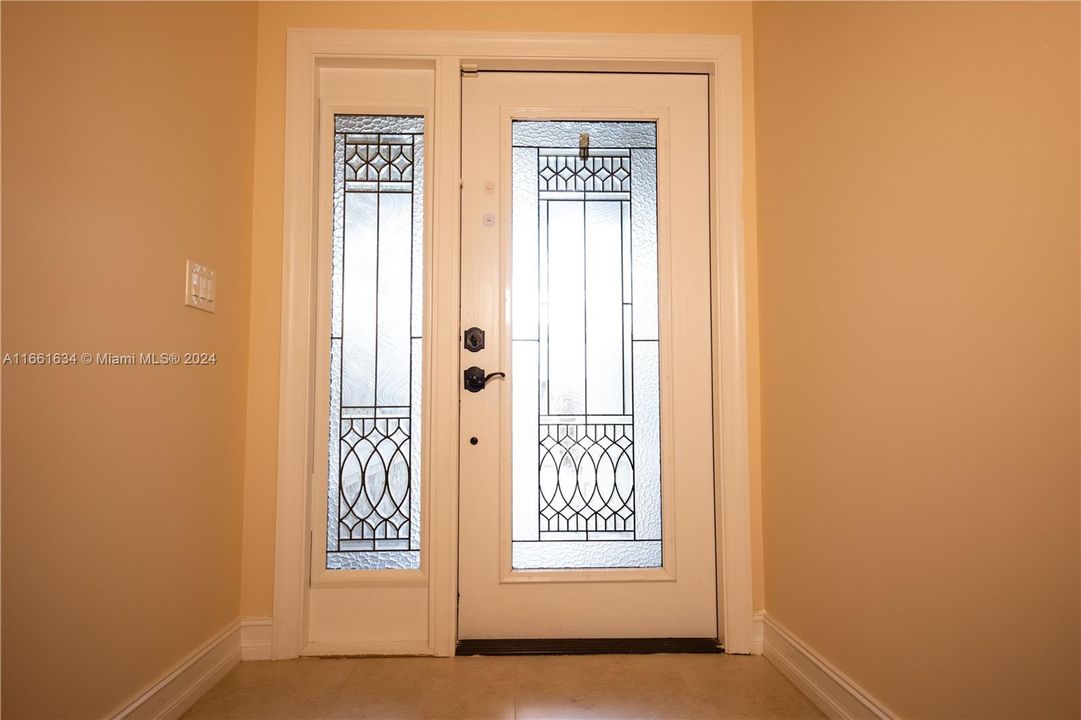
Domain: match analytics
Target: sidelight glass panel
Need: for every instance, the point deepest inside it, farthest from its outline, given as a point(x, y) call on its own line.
point(586, 433)
point(377, 291)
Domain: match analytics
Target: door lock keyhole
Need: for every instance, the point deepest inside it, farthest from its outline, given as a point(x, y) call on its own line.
point(473, 339)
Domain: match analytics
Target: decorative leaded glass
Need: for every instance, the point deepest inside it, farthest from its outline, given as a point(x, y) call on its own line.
point(373, 487)
point(586, 426)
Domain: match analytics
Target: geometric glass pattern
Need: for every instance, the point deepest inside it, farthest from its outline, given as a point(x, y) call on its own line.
point(586, 408)
point(373, 483)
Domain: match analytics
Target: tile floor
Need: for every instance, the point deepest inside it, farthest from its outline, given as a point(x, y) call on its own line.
point(487, 688)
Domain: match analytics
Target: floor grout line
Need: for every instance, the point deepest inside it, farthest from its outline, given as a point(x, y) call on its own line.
point(341, 689)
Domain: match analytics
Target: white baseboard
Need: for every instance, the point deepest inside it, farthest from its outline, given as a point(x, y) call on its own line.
point(372, 648)
point(178, 690)
point(757, 622)
point(256, 635)
point(832, 691)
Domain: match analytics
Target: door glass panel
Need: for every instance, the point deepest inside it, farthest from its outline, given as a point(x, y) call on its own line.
point(586, 487)
point(373, 483)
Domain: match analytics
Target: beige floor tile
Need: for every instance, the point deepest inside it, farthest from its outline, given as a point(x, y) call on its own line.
point(471, 687)
point(595, 686)
point(657, 686)
point(287, 689)
point(493, 688)
point(743, 686)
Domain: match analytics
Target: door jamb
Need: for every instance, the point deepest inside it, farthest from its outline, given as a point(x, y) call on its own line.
point(308, 50)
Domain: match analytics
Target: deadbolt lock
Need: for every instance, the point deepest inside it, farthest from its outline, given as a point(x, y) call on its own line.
point(473, 339)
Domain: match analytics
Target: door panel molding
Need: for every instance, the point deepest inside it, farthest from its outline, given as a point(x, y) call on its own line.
point(445, 52)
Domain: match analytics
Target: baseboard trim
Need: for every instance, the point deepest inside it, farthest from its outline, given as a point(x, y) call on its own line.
point(832, 691)
point(256, 638)
point(757, 624)
point(177, 690)
point(374, 648)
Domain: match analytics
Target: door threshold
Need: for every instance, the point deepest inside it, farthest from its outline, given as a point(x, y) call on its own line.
point(589, 646)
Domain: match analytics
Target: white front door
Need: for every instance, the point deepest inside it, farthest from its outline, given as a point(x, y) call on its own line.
point(586, 473)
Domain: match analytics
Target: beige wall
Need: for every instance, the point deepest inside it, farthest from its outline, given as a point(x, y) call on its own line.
point(274, 19)
point(918, 227)
point(127, 148)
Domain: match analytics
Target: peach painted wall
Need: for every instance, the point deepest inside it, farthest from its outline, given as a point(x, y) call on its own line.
point(127, 148)
point(918, 194)
point(274, 19)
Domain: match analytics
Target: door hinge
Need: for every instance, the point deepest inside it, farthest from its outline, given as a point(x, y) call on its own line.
point(470, 70)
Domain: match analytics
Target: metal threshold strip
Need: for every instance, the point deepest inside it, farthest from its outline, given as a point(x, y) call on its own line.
point(589, 646)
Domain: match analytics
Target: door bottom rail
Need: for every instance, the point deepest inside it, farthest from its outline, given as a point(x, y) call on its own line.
point(589, 646)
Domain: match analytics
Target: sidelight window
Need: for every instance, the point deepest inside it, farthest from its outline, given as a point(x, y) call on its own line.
point(373, 488)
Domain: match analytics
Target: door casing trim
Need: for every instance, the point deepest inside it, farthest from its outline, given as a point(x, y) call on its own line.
point(719, 56)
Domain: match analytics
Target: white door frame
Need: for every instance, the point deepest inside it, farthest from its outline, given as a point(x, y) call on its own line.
point(446, 53)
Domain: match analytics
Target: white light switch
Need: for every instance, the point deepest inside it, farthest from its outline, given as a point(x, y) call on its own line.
point(200, 287)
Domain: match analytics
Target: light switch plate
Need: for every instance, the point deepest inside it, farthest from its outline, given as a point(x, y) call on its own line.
point(200, 287)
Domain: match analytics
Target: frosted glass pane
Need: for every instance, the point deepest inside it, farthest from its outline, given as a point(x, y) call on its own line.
point(586, 489)
point(583, 555)
point(544, 405)
point(644, 243)
point(604, 309)
point(417, 387)
point(374, 560)
point(358, 300)
point(334, 423)
point(602, 134)
point(337, 241)
point(376, 124)
point(524, 301)
point(417, 240)
point(524, 446)
point(647, 440)
point(376, 377)
point(566, 303)
point(394, 296)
